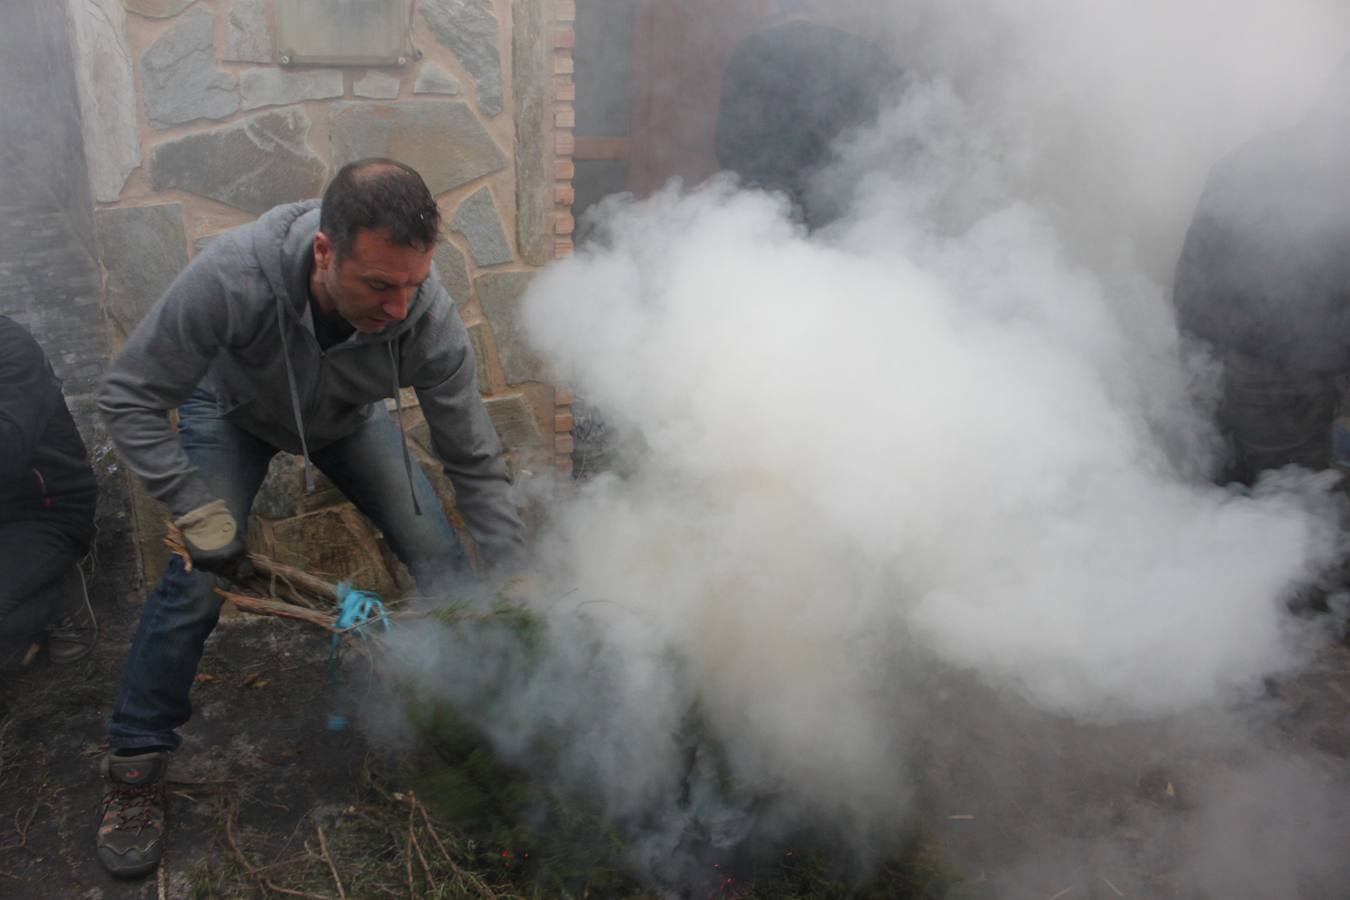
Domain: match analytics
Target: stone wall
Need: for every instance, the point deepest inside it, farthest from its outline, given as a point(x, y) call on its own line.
point(49, 273)
point(195, 119)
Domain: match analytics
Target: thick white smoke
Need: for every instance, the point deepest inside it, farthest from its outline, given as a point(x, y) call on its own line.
point(956, 437)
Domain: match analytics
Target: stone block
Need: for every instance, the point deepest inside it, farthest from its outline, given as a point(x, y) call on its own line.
point(335, 544)
point(444, 141)
point(376, 86)
point(247, 36)
point(252, 165)
point(499, 295)
point(478, 338)
point(180, 78)
point(277, 87)
point(478, 221)
point(157, 9)
point(142, 248)
point(282, 489)
point(453, 270)
point(468, 29)
point(106, 87)
point(514, 420)
point(432, 79)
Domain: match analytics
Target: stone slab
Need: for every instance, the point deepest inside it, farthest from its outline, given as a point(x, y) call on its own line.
point(180, 78)
point(277, 87)
point(478, 221)
point(443, 140)
point(376, 86)
point(453, 271)
point(432, 79)
point(157, 9)
point(468, 29)
point(142, 248)
point(499, 296)
point(106, 86)
point(514, 420)
point(247, 35)
point(531, 86)
point(252, 165)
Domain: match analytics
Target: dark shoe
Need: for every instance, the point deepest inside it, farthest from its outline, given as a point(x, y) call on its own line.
point(73, 636)
point(131, 835)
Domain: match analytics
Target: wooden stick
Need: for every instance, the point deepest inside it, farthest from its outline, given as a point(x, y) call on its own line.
point(298, 579)
point(323, 848)
point(264, 607)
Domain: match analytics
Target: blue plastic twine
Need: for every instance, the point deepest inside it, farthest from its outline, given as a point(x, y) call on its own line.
point(356, 610)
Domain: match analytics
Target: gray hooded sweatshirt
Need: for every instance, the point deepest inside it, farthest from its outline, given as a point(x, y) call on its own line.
point(237, 322)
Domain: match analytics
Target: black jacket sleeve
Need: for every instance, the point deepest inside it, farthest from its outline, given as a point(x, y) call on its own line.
point(28, 398)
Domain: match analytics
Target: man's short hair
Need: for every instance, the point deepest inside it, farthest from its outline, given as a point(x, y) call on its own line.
point(382, 195)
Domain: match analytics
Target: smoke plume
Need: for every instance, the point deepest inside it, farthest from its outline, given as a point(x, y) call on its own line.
point(915, 510)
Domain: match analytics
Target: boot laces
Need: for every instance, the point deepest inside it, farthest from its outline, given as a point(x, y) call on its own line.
point(132, 805)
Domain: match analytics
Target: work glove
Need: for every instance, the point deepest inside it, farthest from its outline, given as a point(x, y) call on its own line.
point(212, 539)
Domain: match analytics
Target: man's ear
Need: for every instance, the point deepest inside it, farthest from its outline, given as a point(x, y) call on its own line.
point(323, 250)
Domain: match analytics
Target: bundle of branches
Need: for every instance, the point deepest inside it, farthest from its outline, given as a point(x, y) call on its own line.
point(286, 592)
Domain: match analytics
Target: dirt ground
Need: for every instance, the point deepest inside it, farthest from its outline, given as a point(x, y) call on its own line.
point(261, 781)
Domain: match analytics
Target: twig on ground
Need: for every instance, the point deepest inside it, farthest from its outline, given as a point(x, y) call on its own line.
point(264, 883)
point(412, 889)
point(459, 873)
point(323, 848)
point(21, 827)
point(426, 867)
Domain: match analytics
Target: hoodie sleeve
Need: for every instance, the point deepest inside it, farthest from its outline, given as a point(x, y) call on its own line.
point(439, 362)
point(28, 398)
point(164, 360)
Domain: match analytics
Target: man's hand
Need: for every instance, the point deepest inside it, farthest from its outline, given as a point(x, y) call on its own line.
point(212, 539)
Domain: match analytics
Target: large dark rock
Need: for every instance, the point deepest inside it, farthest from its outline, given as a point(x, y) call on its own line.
point(282, 489)
point(253, 165)
point(468, 28)
point(499, 295)
point(143, 248)
point(180, 78)
point(478, 221)
point(444, 141)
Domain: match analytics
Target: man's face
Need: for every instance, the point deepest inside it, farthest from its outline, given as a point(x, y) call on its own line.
point(372, 284)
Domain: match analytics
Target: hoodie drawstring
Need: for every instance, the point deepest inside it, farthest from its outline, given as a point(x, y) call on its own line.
point(403, 434)
point(295, 392)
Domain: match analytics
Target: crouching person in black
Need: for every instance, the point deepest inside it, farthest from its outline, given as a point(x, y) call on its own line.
point(47, 500)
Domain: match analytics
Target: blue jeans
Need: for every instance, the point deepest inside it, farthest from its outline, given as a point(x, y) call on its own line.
point(179, 615)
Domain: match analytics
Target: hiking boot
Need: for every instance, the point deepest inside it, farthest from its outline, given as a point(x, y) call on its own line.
point(131, 835)
point(73, 635)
